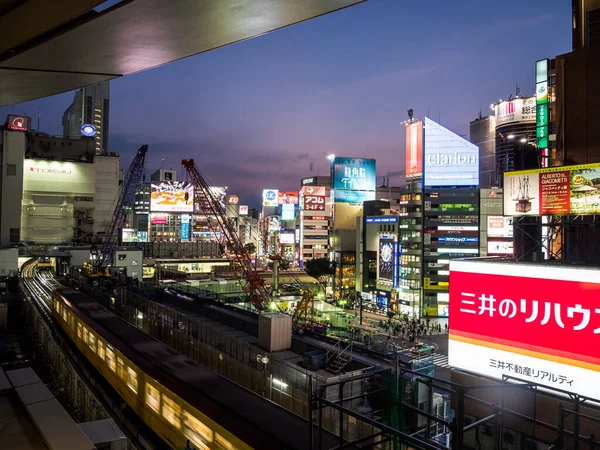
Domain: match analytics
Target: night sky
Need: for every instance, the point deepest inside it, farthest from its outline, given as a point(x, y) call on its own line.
point(255, 114)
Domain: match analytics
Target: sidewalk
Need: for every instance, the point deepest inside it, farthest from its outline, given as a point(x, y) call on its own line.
point(373, 319)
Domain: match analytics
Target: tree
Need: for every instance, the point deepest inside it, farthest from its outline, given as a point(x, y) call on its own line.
point(321, 269)
point(250, 248)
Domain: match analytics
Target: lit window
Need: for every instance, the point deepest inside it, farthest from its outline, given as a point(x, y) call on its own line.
point(171, 411)
point(198, 433)
point(132, 379)
point(110, 359)
point(64, 314)
point(121, 372)
point(153, 398)
point(85, 335)
point(101, 351)
point(223, 443)
point(92, 342)
point(134, 263)
point(79, 330)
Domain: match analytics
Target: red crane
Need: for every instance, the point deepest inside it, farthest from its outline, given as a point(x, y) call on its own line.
point(241, 262)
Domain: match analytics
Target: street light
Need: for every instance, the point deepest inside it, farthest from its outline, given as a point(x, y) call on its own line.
point(511, 136)
point(523, 140)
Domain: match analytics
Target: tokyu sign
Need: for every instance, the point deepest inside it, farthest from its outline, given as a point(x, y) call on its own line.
point(527, 321)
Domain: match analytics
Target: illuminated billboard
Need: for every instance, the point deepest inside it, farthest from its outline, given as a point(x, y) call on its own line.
point(517, 110)
point(353, 179)
point(414, 149)
point(448, 160)
point(18, 123)
point(270, 197)
point(553, 191)
point(286, 238)
point(527, 321)
point(59, 177)
point(387, 261)
point(172, 196)
point(500, 247)
point(288, 197)
point(243, 210)
point(313, 198)
point(499, 227)
point(288, 211)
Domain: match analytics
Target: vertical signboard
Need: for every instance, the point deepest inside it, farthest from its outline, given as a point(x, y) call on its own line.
point(541, 94)
point(387, 262)
point(414, 149)
point(185, 227)
point(313, 198)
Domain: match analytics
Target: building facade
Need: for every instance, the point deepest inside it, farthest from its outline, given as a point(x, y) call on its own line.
point(482, 132)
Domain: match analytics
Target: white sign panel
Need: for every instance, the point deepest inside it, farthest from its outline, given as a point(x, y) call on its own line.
point(499, 227)
point(270, 197)
point(243, 210)
point(59, 177)
point(449, 159)
point(517, 110)
point(500, 248)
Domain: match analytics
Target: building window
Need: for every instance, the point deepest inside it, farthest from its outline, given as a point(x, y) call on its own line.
point(134, 263)
point(11, 170)
point(14, 235)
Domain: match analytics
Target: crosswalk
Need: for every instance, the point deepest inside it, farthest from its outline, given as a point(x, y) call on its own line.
point(438, 359)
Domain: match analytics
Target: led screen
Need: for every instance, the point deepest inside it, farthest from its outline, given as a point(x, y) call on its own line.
point(288, 211)
point(526, 321)
point(172, 196)
point(288, 197)
point(414, 149)
point(449, 159)
point(386, 260)
point(354, 179)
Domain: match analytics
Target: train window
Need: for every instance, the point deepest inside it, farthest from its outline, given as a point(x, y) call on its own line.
point(110, 359)
point(223, 443)
point(153, 398)
point(132, 379)
point(79, 328)
point(92, 342)
point(198, 433)
point(171, 411)
point(121, 372)
point(85, 335)
point(101, 351)
point(64, 314)
point(56, 304)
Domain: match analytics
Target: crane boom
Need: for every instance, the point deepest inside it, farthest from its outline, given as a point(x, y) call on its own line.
point(132, 178)
point(241, 263)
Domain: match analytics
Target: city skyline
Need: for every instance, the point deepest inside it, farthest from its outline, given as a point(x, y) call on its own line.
point(342, 83)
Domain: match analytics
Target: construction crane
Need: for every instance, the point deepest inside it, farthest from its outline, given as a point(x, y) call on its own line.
point(241, 262)
point(133, 177)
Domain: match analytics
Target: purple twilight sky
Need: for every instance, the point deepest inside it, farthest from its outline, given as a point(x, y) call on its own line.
point(255, 114)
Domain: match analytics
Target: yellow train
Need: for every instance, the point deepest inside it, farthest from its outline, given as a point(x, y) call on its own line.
point(176, 397)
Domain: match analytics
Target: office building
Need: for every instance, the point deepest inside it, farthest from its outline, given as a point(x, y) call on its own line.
point(315, 218)
point(91, 106)
point(482, 132)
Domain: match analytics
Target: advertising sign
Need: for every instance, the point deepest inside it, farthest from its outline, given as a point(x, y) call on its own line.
point(158, 219)
point(517, 110)
point(273, 224)
point(499, 247)
point(449, 160)
point(186, 228)
point(288, 197)
point(270, 197)
point(286, 238)
point(243, 210)
point(88, 130)
point(18, 123)
point(528, 321)
point(59, 177)
point(499, 227)
point(414, 149)
point(314, 198)
point(386, 261)
point(553, 191)
point(172, 196)
point(288, 211)
point(233, 200)
point(353, 179)
point(541, 94)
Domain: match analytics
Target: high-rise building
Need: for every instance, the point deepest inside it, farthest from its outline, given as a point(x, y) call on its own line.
point(90, 106)
point(482, 132)
point(586, 24)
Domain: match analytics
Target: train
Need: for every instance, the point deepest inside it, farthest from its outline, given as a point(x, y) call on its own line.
point(44, 263)
point(180, 400)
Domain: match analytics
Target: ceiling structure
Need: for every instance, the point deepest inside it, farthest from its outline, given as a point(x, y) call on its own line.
point(53, 46)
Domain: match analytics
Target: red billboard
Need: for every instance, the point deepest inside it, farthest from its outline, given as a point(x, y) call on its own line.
point(532, 322)
point(288, 197)
point(414, 149)
point(314, 198)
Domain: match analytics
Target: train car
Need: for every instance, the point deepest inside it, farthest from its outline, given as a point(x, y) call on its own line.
point(176, 397)
point(44, 263)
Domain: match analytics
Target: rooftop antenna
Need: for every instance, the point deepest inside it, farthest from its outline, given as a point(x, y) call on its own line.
point(518, 90)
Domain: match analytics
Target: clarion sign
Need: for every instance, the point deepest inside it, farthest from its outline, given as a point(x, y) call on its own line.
point(50, 170)
point(454, 159)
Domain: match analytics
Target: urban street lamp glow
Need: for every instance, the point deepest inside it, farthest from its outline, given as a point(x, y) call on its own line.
point(523, 140)
point(511, 136)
